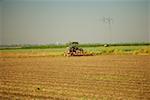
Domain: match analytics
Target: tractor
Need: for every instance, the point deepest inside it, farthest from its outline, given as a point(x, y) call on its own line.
point(73, 50)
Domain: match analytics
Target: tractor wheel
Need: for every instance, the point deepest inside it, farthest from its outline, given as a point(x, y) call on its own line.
point(68, 54)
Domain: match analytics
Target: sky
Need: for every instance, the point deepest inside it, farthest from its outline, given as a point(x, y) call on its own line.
point(85, 21)
point(149, 18)
point(0, 23)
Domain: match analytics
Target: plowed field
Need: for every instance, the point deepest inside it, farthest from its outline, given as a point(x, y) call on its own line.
point(106, 77)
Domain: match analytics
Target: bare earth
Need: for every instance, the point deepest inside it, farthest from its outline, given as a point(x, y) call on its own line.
point(106, 77)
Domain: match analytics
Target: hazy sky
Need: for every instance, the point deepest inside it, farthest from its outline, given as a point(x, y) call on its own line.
point(0, 22)
point(149, 19)
point(86, 21)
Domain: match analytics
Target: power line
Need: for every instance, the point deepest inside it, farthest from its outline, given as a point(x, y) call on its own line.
point(109, 21)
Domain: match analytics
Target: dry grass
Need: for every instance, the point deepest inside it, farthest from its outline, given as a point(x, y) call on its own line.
point(113, 50)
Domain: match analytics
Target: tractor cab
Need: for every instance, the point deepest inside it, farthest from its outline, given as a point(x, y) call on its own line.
point(73, 46)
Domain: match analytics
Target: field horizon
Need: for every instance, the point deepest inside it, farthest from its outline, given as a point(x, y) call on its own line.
point(58, 50)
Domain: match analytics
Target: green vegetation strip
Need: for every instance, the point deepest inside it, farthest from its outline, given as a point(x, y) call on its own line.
point(10, 47)
point(99, 50)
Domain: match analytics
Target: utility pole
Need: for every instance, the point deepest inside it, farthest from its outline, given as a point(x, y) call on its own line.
point(108, 21)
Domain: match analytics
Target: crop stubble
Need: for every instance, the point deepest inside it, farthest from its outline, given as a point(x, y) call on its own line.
point(106, 77)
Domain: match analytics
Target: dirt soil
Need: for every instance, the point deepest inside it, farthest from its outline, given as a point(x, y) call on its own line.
point(105, 77)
